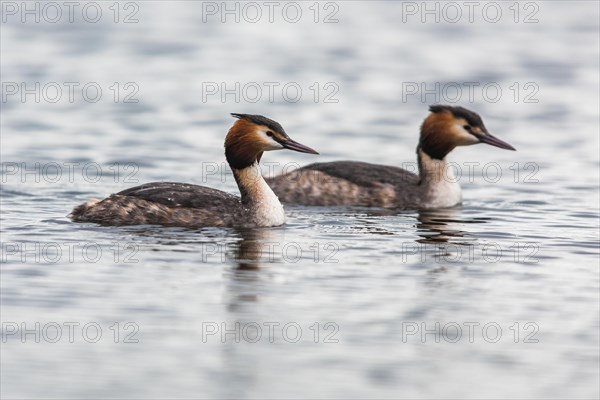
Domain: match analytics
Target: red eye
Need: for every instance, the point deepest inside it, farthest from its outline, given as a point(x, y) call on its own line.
point(269, 134)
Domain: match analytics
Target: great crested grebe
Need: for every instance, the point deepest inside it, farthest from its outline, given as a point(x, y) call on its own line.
point(180, 204)
point(351, 183)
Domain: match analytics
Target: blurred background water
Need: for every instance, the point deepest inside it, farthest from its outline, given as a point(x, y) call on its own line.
point(496, 298)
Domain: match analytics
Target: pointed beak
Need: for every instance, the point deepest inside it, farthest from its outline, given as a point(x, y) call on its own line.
point(494, 141)
point(293, 145)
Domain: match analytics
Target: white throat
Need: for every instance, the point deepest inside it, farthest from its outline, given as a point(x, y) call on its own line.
point(439, 182)
point(257, 194)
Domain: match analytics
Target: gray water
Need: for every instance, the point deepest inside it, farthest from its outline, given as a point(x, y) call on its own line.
point(496, 298)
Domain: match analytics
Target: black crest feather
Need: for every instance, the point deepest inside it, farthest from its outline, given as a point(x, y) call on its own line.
point(460, 112)
point(261, 120)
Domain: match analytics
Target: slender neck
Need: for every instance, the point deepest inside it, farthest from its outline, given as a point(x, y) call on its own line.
point(252, 185)
point(433, 170)
point(266, 210)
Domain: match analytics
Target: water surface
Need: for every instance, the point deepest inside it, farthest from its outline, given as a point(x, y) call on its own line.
point(496, 298)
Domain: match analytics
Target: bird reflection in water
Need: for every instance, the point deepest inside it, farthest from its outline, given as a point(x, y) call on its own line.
point(445, 225)
point(443, 235)
point(256, 248)
point(442, 225)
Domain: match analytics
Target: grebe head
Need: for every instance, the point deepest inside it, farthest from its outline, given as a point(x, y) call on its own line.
point(448, 126)
point(251, 135)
